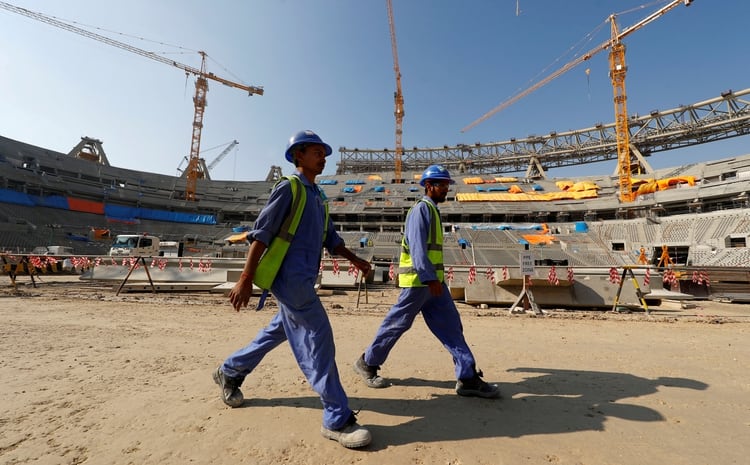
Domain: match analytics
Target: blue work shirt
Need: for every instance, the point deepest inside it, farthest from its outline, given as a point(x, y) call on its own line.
point(302, 261)
point(416, 233)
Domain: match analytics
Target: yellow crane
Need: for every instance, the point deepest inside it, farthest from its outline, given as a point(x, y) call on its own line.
point(617, 71)
point(194, 170)
point(398, 96)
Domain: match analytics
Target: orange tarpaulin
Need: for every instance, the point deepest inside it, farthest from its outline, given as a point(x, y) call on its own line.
point(524, 197)
point(580, 186)
point(99, 234)
point(649, 186)
point(667, 183)
point(583, 186)
point(564, 185)
point(539, 238)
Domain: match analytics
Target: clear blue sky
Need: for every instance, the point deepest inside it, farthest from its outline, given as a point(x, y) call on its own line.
point(326, 65)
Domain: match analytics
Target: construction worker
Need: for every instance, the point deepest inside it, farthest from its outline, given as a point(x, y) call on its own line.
point(301, 318)
point(421, 277)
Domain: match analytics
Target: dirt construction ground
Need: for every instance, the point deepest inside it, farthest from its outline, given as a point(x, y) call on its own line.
point(88, 377)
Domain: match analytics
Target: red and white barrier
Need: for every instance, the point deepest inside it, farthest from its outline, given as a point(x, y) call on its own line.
point(490, 274)
point(552, 276)
point(614, 276)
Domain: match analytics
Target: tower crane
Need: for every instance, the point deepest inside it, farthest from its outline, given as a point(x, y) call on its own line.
point(617, 70)
point(220, 157)
point(205, 170)
point(398, 96)
point(194, 170)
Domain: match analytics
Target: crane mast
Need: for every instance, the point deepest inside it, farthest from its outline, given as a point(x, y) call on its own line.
point(617, 71)
point(398, 96)
point(194, 167)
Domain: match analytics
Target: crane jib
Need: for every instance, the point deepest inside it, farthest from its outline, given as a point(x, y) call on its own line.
point(193, 171)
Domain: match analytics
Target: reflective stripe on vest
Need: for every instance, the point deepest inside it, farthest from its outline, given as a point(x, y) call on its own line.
point(270, 262)
point(407, 276)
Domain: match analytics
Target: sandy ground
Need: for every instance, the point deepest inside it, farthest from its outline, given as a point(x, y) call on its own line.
point(90, 377)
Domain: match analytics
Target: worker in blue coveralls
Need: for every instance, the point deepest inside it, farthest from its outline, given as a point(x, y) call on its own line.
point(421, 277)
point(301, 318)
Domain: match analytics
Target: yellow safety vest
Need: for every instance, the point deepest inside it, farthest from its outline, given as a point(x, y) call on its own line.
point(407, 276)
point(270, 262)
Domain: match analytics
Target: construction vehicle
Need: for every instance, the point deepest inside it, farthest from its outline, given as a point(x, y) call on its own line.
point(170, 249)
point(195, 169)
point(398, 96)
point(60, 250)
point(617, 70)
point(135, 245)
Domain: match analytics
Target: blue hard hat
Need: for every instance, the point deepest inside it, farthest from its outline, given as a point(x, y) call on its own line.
point(437, 172)
point(304, 137)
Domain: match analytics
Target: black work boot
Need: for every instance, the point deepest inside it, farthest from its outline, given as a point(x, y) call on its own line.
point(369, 373)
point(476, 387)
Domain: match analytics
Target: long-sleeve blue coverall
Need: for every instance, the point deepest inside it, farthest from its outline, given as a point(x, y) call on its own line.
point(301, 319)
point(439, 312)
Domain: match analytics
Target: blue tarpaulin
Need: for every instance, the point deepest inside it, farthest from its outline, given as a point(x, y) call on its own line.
point(18, 198)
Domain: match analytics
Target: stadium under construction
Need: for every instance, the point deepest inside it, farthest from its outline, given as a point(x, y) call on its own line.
point(686, 229)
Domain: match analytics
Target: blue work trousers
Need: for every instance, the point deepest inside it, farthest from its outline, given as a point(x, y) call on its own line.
point(310, 336)
point(442, 318)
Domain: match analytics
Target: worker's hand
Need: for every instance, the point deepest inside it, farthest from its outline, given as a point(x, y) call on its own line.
point(363, 265)
point(240, 294)
point(436, 287)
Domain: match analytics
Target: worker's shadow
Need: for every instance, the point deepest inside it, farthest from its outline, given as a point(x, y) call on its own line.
point(548, 401)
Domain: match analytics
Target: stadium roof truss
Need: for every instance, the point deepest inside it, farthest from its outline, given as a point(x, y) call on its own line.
point(711, 120)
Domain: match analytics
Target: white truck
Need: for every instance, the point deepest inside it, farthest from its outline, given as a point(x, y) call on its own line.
point(170, 249)
point(138, 245)
point(54, 250)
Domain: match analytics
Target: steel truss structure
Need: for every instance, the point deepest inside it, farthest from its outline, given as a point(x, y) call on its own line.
point(716, 119)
